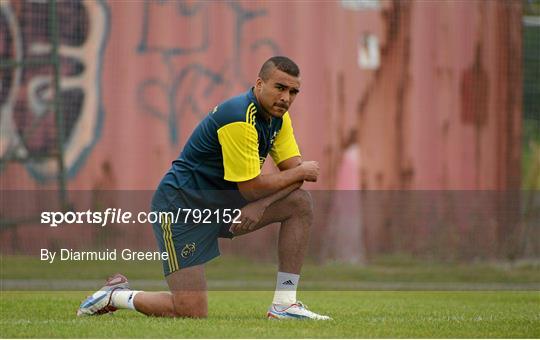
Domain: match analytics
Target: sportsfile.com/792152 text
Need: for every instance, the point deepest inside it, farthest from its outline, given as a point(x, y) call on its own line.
point(118, 216)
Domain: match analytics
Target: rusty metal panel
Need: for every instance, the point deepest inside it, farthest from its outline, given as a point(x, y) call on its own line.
point(444, 95)
point(444, 92)
point(440, 110)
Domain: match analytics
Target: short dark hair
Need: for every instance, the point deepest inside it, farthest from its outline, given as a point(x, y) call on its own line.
point(281, 63)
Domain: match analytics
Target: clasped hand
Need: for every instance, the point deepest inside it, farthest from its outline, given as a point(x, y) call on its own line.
point(250, 216)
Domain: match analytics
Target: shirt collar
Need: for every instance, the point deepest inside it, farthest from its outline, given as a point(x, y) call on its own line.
point(253, 99)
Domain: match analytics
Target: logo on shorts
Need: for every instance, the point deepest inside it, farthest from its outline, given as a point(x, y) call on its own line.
point(188, 250)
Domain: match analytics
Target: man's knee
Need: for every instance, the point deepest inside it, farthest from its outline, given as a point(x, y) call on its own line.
point(189, 296)
point(302, 202)
point(190, 305)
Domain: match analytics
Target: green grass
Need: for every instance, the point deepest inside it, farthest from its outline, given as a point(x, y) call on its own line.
point(241, 315)
point(357, 312)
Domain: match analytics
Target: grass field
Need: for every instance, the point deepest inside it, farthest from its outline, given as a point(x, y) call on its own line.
point(241, 315)
point(364, 306)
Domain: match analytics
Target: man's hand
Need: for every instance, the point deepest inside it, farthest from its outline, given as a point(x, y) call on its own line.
point(310, 170)
point(250, 215)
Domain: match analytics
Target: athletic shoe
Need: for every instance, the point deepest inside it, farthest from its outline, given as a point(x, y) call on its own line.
point(100, 302)
point(297, 311)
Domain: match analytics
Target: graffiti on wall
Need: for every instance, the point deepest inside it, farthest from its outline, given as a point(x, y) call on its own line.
point(189, 88)
point(28, 126)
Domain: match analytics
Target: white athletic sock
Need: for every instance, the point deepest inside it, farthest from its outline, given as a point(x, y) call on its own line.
point(124, 298)
point(286, 284)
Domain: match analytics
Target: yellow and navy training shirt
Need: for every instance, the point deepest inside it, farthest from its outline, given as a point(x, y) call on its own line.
point(229, 146)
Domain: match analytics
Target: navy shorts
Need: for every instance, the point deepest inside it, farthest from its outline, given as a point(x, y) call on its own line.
point(187, 244)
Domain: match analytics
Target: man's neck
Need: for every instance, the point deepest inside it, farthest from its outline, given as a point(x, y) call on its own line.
point(264, 114)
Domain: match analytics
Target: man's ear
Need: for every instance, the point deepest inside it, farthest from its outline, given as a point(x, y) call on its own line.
point(258, 83)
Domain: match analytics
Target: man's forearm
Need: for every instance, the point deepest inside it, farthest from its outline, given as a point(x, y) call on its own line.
point(266, 185)
point(279, 195)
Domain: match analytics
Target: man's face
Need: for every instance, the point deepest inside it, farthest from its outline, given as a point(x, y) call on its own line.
point(277, 93)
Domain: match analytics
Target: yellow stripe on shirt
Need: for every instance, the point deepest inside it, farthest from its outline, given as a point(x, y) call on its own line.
point(248, 113)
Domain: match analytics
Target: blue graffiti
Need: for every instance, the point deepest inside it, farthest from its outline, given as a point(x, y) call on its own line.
point(183, 10)
point(174, 86)
point(189, 88)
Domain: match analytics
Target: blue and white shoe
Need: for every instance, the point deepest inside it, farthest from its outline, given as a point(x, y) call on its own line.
point(100, 302)
point(297, 311)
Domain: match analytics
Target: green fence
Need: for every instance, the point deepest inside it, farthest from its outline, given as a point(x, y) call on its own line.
point(531, 101)
point(15, 64)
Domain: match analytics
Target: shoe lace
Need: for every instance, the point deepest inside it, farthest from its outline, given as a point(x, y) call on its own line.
point(306, 308)
point(300, 304)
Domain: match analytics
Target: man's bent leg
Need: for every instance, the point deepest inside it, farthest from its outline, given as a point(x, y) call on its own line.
point(189, 292)
point(188, 296)
point(295, 213)
point(294, 232)
point(155, 303)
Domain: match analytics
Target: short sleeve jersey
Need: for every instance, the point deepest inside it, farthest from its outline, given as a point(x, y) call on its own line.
point(230, 145)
